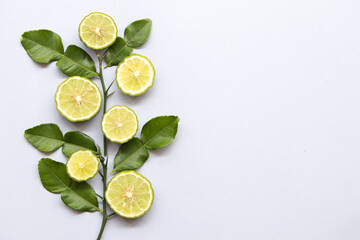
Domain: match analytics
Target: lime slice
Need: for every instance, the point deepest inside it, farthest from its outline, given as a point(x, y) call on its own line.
point(129, 194)
point(135, 75)
point(78, 99)
point(119, 124)
point(82, 165)
point(97, 31)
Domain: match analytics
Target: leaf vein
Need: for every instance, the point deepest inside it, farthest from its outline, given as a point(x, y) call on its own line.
point(55, 175)
point(81, 65)
point(166, 126)
point(116, 55)
point(120, 164)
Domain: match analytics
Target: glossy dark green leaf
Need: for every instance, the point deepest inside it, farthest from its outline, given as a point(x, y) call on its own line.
point(80, 196)
point(45, 137)
point(159, 131)
point(131, 155)
point(75, 141)
point(42, 45)
point(53, 175)
point(138, 32)
point(117, 52)
point(76, 62)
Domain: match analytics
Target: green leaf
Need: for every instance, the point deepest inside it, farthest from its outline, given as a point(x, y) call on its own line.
point(159, 131)
point(117, 52)
point(76, 62)
point(75, 141)
point(131, 155)
point(43, 46)
point(138, 32)
point(45, 137)
point(53, 175)
point(80, 196)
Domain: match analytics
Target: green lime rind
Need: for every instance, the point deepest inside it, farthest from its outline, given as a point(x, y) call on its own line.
point(102, 47)
point(130, 93)
point(85, 179)
point(122, 140)
point(145, 180)
point(80, 119)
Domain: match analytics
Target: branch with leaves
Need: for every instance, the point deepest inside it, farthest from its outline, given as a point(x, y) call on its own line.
point(128, 193)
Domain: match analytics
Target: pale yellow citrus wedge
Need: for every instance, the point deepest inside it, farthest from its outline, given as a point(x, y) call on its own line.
point(129, 194)
point(78, 99)
point(98, 31)
point(135, 75)
point(119, 124)
point(82, 165)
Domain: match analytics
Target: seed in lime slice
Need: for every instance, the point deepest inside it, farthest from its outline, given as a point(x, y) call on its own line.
point(135, 75)
point(119, 124)
point(82, 165)
point(97, 31)
point(78, 99)
point(129, 194)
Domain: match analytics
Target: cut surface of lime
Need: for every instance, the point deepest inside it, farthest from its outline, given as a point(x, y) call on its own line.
point(82, 165)
point(135, 75)
point(78, 99)
point(119, 124)
point(129, 194)
point(97, 31)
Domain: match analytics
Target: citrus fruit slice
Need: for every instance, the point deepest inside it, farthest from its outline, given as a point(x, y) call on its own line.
point(97, 31)
point(129, 194)
point(78, 99)
point(135, 75)
point(82, 165)
point(119, 124)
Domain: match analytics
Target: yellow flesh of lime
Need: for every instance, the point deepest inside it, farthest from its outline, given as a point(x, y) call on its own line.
point(78, 99)
point(98, 31)
point(82, 165)
point(129, 194)
point(135, 75)
point(119, 124)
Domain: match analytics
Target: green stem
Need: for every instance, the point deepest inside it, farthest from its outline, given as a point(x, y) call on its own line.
point(105, 95)
point(102, 160)
point(105, 216)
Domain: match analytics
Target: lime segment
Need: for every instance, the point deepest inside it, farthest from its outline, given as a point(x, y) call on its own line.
point(82, 165)
point(78, 99)
point(97, 31)
point(129, 194)
point(119, 124)
point(135, 75)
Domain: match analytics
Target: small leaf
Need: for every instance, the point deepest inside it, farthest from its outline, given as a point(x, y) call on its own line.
point(75, 141)
point(43, 46)
point(138, 32)
point(45, 137)
point(76, 62)
point(117, 52)
point(131, 155)
point(159, 131)
point(80, 196)
point(53, 175)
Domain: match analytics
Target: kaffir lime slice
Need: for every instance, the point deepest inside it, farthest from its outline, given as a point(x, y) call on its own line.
point(82, 165)
point(119, 124)
point(129, 194)
point(97, 31)
point(135, 75)
point(78, 99)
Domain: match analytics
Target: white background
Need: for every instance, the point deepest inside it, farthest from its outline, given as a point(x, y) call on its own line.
point(268, 95)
